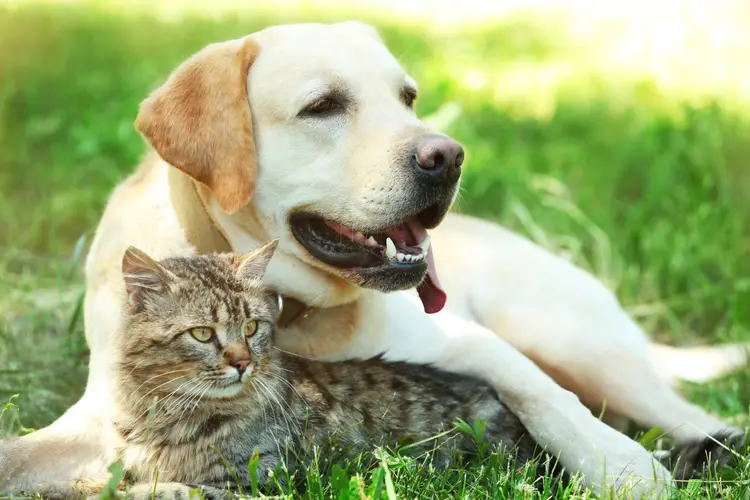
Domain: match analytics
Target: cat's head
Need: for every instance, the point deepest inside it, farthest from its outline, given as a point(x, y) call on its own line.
point(196, 326)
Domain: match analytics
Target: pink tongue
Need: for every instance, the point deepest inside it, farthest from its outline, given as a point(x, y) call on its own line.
point(430, 292)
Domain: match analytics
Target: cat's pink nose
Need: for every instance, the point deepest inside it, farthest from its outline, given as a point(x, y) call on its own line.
point(241, 365)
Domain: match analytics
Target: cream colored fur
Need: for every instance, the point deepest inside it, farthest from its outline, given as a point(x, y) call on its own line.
point(517, 315)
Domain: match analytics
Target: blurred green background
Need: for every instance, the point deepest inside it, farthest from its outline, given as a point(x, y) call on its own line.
point(618, 137)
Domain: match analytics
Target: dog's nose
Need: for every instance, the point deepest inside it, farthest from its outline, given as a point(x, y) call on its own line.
point(440, 157)
point(241, 365)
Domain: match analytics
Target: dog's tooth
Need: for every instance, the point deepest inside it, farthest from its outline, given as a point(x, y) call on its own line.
point(359, 236)
point(372, 241)
point(400, 257)
point(425, 245)
point(390, 248)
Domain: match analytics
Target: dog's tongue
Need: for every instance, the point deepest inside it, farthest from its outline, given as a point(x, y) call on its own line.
point(430, 292)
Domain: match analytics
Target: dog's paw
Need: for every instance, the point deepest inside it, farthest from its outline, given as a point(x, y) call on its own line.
point(623, 466)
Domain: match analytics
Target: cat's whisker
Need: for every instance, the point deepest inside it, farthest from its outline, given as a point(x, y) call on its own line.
point(293, 354)
point(192, 403)
point(184, 402)
point(155, 388)
point(174, 403)
point(170, 405)
point(286, 382)
point(157, 376)
point(136, 365)
point(254, 386)
point(288, 412)
point(272, 395)
point(161, 402)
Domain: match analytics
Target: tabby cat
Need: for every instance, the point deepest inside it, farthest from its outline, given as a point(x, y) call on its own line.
point(201, 386)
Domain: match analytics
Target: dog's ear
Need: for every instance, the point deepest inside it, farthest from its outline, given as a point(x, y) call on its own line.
point(200, 121)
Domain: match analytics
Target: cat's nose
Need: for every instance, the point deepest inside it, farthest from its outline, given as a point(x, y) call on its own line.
point(241, 365)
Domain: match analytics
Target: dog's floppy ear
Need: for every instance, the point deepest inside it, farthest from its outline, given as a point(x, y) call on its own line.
point(200, 121)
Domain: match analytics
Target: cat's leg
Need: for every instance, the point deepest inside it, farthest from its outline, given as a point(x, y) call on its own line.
point(555, 417)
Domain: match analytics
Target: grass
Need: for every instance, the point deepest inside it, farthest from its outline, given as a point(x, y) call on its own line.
point(641, 178)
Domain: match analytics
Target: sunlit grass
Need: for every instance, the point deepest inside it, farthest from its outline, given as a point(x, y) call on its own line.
point(617, 137)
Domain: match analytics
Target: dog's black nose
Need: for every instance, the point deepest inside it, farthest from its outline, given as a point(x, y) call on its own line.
point(440, 158)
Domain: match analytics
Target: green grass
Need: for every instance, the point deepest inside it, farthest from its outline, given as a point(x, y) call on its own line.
point(644, 183)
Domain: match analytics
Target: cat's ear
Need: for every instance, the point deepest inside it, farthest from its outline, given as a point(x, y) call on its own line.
point(143, 275)
point(253, 265)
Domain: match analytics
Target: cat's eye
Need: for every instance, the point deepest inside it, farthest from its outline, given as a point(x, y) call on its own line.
point(251, 326)
point(202, 333)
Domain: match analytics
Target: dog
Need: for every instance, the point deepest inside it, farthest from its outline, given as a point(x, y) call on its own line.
point(307, 133)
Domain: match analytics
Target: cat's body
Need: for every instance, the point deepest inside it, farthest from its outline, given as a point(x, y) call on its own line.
point(201, 388)
point(341, 409)
point(287, 405)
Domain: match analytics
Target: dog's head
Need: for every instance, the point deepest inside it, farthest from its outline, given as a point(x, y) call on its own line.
point(310, 129)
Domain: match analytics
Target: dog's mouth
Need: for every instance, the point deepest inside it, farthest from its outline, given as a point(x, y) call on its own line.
point(397, 257)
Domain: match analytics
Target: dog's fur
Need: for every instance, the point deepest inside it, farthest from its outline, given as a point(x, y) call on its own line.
point(518, 317)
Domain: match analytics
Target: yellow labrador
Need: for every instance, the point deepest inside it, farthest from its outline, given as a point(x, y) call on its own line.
point(307, 133)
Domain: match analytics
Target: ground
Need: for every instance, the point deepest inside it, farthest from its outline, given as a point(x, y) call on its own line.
point(621, 143)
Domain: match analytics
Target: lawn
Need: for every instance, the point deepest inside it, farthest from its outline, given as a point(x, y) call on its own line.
point(635, 165)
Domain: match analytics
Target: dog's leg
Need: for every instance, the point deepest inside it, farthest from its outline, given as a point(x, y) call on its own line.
point(63, 451)
point(79, 443)
point(572, 326)
point(603, 357)
point(556, 418)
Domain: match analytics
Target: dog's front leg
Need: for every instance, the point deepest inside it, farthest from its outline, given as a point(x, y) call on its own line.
point(553, 416)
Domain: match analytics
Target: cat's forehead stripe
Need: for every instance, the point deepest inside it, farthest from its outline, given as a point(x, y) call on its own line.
point(211, 271)
point(225, 296)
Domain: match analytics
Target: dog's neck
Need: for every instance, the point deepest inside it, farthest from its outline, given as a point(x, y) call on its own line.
point(189, 200)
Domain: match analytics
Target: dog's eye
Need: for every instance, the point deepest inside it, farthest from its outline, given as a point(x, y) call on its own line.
point(409, 97)
point(323, 106)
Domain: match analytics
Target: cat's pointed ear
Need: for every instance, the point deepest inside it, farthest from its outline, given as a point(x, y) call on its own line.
point(253, 265)
point(143, 275)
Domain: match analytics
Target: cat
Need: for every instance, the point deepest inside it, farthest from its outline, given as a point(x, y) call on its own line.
point(200, 386)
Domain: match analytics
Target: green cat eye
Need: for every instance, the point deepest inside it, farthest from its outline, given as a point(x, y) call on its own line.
point(250, 328)
point(202, 333)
